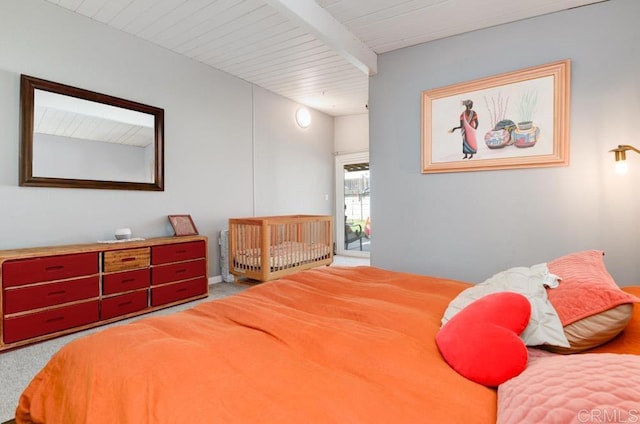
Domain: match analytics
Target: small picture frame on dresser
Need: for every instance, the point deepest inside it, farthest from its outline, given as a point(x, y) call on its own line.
point(183, 225)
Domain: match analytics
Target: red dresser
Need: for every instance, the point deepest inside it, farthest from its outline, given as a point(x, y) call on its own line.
point(52, 291)
point(177, 272)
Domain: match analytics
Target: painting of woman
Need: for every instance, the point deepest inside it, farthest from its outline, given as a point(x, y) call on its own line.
point(468, 126)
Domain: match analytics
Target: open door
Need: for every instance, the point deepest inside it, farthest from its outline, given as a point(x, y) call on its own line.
point(353, 205)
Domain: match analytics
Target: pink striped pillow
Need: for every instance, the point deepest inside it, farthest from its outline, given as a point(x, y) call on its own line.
point(587, 292)
point(586, 287)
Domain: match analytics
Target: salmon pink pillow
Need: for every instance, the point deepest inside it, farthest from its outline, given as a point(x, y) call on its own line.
point(482, 341)
point(591, 306)
point(570, 389)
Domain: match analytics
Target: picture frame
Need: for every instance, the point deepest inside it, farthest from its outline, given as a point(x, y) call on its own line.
point(183, 225)
point(518, 119)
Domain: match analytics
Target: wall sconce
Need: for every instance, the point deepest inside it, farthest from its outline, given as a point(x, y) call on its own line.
point(621, 157)
point(303, 117)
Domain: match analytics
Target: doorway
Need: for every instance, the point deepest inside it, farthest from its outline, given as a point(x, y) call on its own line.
point(353, 205)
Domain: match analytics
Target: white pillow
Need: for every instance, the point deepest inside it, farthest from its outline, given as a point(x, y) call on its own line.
point(544, 326)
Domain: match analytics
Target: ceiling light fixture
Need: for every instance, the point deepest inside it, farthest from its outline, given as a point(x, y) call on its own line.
point(303, 117)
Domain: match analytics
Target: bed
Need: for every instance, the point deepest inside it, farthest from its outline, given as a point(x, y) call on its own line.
point(327, 345)
point(267, 248)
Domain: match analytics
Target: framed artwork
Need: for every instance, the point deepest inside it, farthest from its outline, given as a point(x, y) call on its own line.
point(183, 225)
point(515, 120)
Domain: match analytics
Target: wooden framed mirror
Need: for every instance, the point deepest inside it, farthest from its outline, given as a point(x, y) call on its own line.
point(76, 138)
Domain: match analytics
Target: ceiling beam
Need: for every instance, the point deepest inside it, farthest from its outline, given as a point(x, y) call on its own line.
point(310, 16)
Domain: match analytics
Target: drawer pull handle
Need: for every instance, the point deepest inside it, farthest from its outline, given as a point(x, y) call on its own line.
point(128, 280)
point(181, 251)
point(181, 271)
point(54, 319)
point(181, 290)
point(133, 258)
point(120, 305)
point(54, 268)
point(56, 293)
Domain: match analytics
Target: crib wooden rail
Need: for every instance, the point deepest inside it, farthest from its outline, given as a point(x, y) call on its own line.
point(267, 248)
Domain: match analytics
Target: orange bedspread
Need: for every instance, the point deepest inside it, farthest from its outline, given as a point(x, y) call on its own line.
point(331, 345)
point(336, 345)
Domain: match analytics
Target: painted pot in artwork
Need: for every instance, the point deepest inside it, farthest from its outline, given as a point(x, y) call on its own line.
point(525, 125)
point(496, 139)
point(526, 138)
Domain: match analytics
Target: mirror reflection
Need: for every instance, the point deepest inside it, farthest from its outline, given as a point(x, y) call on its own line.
point(71, 140)
point(79, 139)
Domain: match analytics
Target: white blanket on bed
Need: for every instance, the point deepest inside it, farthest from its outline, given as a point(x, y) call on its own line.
point(544, 326)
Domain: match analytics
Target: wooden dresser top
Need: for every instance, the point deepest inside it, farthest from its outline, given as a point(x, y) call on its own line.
point(33, 252)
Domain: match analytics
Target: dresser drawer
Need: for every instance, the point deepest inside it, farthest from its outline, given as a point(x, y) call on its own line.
point(123, 304)
point(120, 260)
point(177, 252)
point(180, 271)
point(178, 291)
point(45, 322)
point(124, 281)
point(42, 295)
point(48, 268)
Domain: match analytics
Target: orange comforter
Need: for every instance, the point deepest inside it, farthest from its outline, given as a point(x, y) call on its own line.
point(336, 345)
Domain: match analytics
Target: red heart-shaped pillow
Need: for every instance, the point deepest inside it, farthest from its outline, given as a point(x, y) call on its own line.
point(482, 341)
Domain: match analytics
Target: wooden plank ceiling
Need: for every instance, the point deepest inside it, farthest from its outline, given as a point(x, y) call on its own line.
point(318, 53)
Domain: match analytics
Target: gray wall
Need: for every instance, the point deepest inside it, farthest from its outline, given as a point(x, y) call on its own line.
point(211, 168)
point(471, 225)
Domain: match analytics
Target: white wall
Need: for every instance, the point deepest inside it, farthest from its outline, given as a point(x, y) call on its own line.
point(470, 225)
point(294, 166)
point(210, 166)
point(351, 133)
